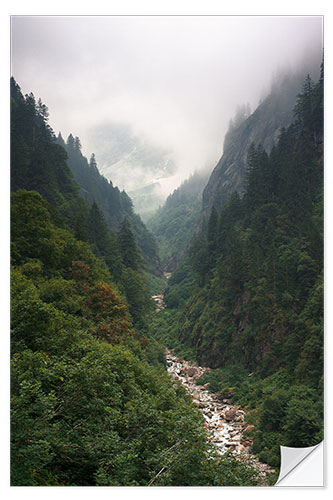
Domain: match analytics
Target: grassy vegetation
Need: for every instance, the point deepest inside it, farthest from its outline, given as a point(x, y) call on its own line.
point(156, 284)
point(164, 328)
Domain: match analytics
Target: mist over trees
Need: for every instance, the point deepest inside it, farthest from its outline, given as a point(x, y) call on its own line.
point(39, 164)
point(114, 204)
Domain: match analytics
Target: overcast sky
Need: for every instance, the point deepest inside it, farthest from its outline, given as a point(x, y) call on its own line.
point(175, 80)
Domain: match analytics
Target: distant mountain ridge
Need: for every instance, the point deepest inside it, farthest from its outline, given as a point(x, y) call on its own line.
point(134, 164)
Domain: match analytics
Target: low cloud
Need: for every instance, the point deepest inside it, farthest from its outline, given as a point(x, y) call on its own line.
point(176, 81)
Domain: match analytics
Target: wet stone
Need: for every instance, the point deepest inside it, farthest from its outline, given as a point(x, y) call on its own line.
point(224, 422)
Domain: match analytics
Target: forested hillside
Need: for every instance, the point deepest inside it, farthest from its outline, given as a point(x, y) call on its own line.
point(91, 403)
point(87, 408)
point(115, 204)
point(249, 294)
point(175, 223)
point(38, 163)
point(260, 127)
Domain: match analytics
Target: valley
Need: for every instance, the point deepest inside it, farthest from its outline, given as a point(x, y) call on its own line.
point(182, 348)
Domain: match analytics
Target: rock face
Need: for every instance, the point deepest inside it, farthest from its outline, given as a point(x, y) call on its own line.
point(261, 127)
point(225, 423)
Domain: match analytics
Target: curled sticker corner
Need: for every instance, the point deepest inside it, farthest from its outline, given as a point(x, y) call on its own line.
point(301, 466)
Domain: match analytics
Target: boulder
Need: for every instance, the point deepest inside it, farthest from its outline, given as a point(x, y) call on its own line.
point(191, 372)
point(247, 443)
point(230, 414)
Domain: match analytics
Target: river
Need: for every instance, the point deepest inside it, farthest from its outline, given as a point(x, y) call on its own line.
point(224, 421)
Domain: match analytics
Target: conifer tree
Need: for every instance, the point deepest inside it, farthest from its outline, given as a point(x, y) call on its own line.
point(60, 140)
point(77, 144)
point(43, 111)
point(130, 253)
point(37, 162)
point(305, 106)
point(104, 241)
point(70, 142)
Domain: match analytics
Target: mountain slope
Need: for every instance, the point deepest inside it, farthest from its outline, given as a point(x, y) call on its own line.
point(38, 165)
point(115, 204)
point(261, 127)
point(175, 222)
point(87, 409)
point(253, 286)
point(37, 162)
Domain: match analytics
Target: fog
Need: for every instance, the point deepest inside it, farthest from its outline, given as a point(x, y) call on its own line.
point(174, 81)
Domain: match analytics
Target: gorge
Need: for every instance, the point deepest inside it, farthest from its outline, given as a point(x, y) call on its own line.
point(128, 368)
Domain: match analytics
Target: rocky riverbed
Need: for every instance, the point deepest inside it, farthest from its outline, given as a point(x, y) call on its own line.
point(225, 422)
point(158, 301)
point(158, 298)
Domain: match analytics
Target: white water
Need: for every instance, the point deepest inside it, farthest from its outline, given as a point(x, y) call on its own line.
point(225, 422)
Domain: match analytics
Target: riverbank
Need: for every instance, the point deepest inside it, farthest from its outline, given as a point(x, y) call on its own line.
point(225, 423)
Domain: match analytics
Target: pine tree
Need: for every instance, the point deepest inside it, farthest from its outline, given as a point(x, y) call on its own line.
point(77, 144)
point(60, 140)
point(80, 226)
point(318, 111)
point(92, 161)
point(258, 177)
point(104, 241)
point(304, 107)
point(37, 161)
point(43, 111)
point(130, 253)
point(70, 142)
